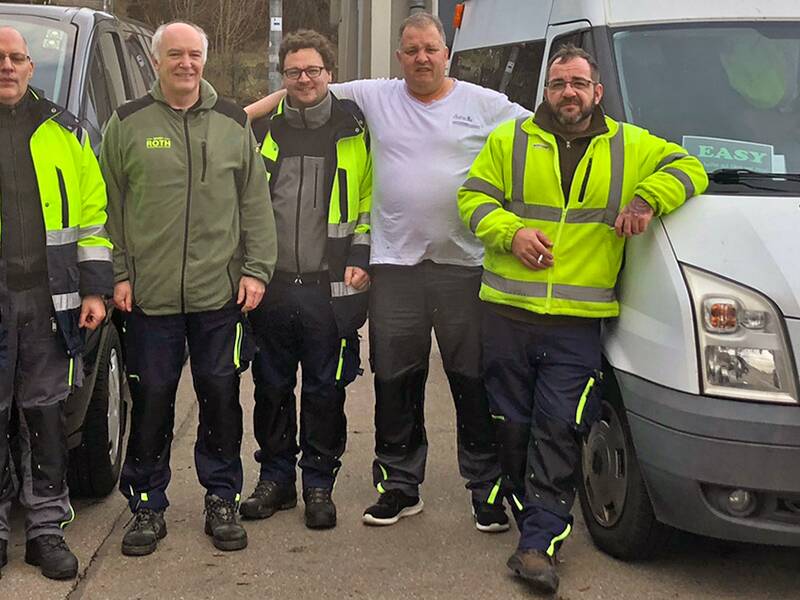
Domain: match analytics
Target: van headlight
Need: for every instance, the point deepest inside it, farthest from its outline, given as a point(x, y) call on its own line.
point(742, 342)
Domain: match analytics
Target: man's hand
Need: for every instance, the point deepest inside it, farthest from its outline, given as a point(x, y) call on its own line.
point(634, 218)
point(532, 248)
point(93, 312)
point(123, 296)
point(356, 277)
point(251, 291)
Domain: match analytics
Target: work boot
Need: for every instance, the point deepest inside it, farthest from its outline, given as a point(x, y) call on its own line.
point(3, 555)
point(223, 525)
point(490, 518)
point(267, 498)
point(320, 509)
point(392, 506)
point(536, 567)
point(142, 537)
point(52, 555)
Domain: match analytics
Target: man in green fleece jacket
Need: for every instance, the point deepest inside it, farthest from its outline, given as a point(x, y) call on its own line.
point(194, 247)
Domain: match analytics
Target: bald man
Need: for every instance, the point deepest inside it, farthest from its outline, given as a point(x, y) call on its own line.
point(195, 246)
point(55, 268)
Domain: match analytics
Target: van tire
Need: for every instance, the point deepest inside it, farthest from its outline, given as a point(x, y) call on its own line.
point(94, 465)
point(626, 527)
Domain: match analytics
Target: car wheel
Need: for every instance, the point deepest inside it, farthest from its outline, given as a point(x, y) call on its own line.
point(95, 464)
point(614, 501)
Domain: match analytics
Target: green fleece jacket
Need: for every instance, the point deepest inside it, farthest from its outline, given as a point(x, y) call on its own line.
point(189, 209)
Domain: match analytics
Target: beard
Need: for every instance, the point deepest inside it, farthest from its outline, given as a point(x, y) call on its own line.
point(564, 119)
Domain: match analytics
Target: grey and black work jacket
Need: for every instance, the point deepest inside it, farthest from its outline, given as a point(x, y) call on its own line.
point(320, 176)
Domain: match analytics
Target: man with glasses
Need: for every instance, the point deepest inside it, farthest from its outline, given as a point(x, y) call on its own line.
point(55, 269)
point(554, 239)
point(426, 130)
point(320, 174)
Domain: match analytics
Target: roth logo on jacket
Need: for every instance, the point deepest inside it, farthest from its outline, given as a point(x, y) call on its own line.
point(159, 142)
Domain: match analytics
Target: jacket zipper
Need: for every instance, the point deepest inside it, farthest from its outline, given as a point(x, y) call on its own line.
point(297, 223)
point(343, 208)
point(188, 207)
point(316, 175)
point(585, 181)
point(62, 187)
point(203, 149)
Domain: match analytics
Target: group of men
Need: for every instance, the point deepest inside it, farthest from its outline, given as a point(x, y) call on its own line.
point(459, 172)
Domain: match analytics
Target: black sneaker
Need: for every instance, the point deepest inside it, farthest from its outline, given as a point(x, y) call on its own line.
point(267, 498)
point(53, 557)
point(392, 506)
point(320, 509)
point(490, 518)
point(222, 524)
point(537, 568)
point(147, 527)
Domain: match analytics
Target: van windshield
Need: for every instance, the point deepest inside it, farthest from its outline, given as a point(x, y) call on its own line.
point(730, 94)
point(50, 45)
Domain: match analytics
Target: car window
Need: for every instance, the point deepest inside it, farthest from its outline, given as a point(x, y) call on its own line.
point(99, 104)
point(50, 45)
point(512, 69)
point(142, 75)
point(107, 46)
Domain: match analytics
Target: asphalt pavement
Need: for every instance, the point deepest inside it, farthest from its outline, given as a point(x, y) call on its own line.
point(437, 554)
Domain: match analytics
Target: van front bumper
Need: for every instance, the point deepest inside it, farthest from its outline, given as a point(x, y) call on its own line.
point(693, 451)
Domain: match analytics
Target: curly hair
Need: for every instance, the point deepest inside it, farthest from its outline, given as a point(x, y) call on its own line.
point(307, 38)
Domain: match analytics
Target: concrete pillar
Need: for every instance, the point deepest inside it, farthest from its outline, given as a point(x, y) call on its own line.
point(381, 38)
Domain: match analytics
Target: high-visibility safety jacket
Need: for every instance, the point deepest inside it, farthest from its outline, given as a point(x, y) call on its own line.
point(73, 198)
point(515, 182)
point(349, 179)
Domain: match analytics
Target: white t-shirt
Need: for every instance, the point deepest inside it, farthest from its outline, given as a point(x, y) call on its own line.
point(421, 156)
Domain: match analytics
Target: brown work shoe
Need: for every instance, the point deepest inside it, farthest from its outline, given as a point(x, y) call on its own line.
point(537, 568)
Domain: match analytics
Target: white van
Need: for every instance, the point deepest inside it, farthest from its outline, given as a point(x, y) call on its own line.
point(701, 416)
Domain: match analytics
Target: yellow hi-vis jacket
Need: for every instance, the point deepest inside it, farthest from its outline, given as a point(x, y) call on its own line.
point(73, 198)
point(515, 182)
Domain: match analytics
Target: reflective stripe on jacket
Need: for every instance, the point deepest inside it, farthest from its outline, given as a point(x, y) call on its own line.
point(515, 182)
point(73, 198)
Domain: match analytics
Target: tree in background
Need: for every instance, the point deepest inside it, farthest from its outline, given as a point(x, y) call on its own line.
point(237, 29)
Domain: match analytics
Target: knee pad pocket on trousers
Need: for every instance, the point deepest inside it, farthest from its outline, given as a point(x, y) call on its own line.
point(275, 420)
point(220, 414)
point(472, 411)
point(324, 421)
point(6, 488)
point(48, 449)
point(399, 415)
point(153, 415)
point(512, 440)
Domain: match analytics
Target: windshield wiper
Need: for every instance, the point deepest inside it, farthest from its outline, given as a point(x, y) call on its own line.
point(742, 176)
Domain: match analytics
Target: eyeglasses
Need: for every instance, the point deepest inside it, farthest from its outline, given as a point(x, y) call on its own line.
point(579, 84)
point(312, 72)
point(17, 58)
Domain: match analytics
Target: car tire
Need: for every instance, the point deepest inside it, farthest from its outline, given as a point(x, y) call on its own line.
point(95, 464)
point(614, 500)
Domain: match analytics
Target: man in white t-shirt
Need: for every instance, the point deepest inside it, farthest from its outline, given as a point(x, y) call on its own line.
point(425, 264)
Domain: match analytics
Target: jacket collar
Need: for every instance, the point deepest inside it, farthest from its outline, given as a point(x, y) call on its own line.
point(545, 118)
point(312, 117)
point(208, 95)
point(543, 121)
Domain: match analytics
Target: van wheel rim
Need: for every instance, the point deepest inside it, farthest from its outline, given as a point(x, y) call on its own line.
point(114, 405)
point(605, 468)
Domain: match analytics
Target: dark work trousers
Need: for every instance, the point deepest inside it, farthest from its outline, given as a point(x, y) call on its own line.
point(154, 348)
point(35, 381)
point(295, 325)
point(405, 303)
point(543, 385)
